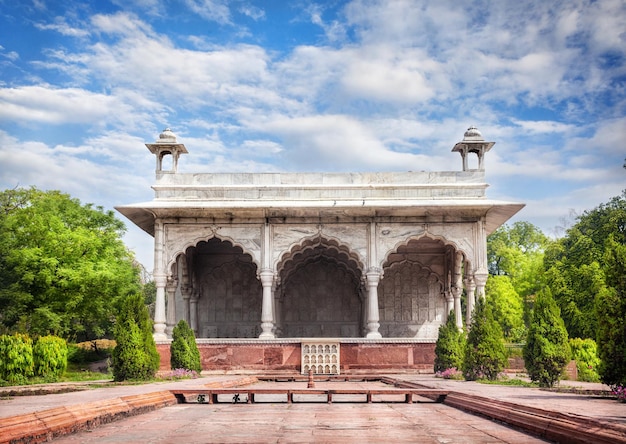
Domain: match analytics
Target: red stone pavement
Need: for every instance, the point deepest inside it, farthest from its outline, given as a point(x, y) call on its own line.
point(313, 422)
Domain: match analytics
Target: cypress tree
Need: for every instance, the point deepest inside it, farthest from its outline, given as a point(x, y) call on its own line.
point(485, 354)
point(450, 345)
point(547, 350)
point(184, 352)
point(611, 312)
point(135, 356)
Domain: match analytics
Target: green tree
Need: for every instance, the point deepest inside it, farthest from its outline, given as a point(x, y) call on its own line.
point(508, 308)
point(517, 253)
point(485, 353)
point(184, 351)
point(577, 269)
point(585, 353)
point(546, 351)
point(611, 312)
point(63, 265)
point(450, 346)
point(135, 355)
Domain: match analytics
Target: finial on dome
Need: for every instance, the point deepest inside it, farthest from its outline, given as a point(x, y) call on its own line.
point(472, 134)
point(167, 136)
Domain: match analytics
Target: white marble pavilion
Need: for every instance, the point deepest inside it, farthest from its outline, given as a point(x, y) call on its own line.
point(360, 257)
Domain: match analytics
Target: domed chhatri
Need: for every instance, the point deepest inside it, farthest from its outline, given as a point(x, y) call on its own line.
point(473, 143)
point(166, 147)
point(167, 136)
point(472, 134)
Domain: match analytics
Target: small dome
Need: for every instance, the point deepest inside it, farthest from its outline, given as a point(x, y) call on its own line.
point(472, 133)
point(167, 136)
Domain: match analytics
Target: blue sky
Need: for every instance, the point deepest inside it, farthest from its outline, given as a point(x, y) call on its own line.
point(315, 86)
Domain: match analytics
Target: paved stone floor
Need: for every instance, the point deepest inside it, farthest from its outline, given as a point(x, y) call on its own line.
point(280, 422)
point(303, 423)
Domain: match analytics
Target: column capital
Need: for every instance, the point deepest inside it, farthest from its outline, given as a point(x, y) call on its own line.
point(266, 275)
point(480, 276)
point(160, 279)
point(373, 276)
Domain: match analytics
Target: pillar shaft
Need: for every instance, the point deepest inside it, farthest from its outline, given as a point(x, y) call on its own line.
point(267, 309)
point(373, 278)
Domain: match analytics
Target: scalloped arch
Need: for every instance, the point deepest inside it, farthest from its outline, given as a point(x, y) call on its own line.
point(308, 244)
point(445, 241)
point(197, 240)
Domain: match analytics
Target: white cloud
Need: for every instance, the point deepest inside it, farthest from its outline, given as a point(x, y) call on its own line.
point(337, 143)
point(212, 10)
point(254, 12)
point(62, 27)
point(544, 126)
point(49, 105)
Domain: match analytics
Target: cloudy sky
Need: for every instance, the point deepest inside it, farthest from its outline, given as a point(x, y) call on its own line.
point(315, 86)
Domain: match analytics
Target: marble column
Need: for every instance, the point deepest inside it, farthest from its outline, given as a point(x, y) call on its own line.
point(480, 277)
point(449, 303)
point(185, 292)
point(470, 289)
point(160, 280)
point(457, 288)
point(170, 287)
point(267, 309)
point(193, 313)
point(373, 277)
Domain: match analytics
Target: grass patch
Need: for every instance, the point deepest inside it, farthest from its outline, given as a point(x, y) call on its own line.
point(512, 382)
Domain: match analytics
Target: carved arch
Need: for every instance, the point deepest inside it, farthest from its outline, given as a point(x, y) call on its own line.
point(194, 243)
point(309, 247)
point(404, 243)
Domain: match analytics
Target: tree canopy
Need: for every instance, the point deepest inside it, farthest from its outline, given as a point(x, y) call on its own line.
point(517, 252)
point(547, 349)
point(63, 265)
point(577, 267)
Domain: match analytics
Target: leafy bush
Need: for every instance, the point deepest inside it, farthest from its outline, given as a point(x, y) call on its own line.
point(50, 356)
point(485, 353)
point(610, 305)
point(184, 353)
point(135, 355)
point(450, 345)
point(584, 352)
point(547, 349)
point(16, 358)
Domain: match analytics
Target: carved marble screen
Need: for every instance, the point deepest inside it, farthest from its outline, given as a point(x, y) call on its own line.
point(411, 304)
point(321, 299)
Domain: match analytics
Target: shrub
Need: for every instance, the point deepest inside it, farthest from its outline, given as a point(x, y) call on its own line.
point(584, 352)
point(450, 345)
point(135, 355)
point(547, 350)
point(611, 337)
point(16, 358)
point(50, 356)
point(485, 353)
point(184, 353)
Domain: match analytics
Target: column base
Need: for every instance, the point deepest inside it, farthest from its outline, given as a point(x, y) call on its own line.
point(374, 335)
point(267, 336)
point(159, 336)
